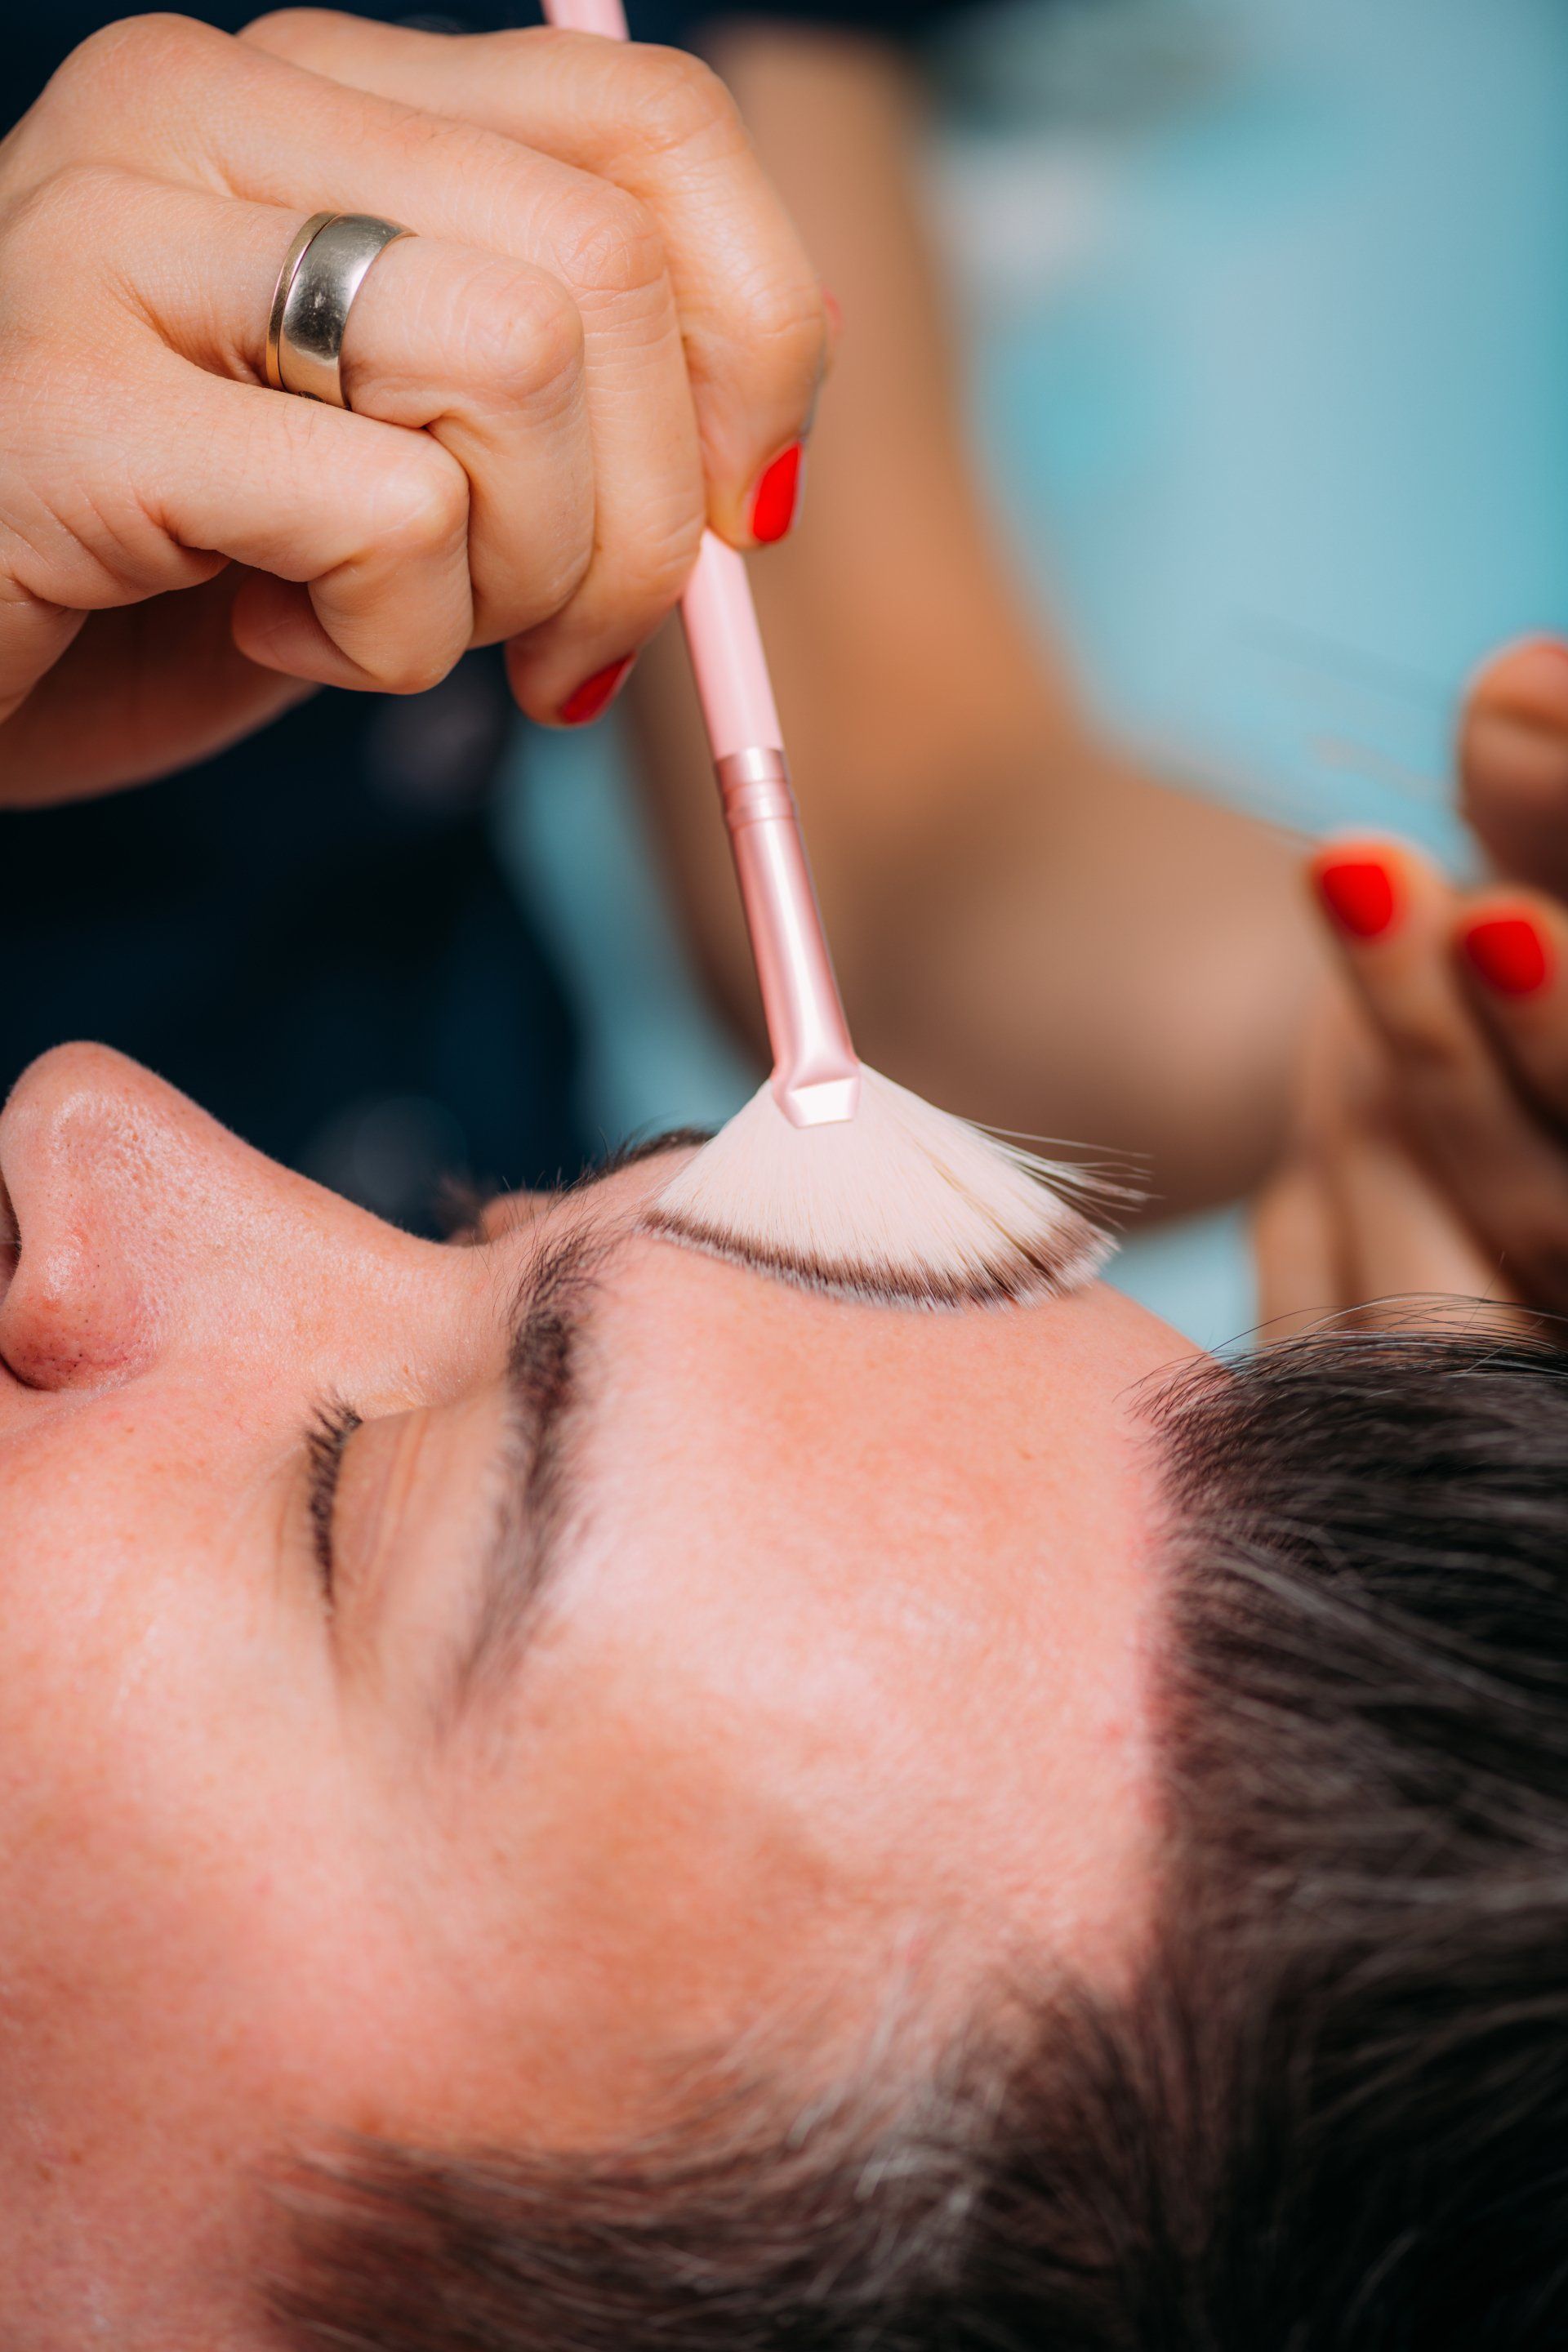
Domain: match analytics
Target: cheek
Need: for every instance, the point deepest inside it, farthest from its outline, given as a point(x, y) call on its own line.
point(151, 1662)
point(137, 1527)
point(195, 1933)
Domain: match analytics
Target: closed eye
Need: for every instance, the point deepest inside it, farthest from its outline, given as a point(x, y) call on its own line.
point(325, 1439)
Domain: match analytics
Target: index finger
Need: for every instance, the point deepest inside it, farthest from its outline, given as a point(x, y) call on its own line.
point(1513, 760)
point(1512, 949)
point(1392, 915)
point(661, 126)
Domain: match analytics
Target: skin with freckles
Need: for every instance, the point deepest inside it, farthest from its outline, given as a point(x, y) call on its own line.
point(838, 1670)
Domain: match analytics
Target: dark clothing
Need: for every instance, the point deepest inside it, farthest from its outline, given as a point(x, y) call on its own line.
point(311, 934)
point(683, 21)
point(36, 38)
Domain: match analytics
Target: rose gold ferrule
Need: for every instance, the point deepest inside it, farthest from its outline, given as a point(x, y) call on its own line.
point(816, 1078)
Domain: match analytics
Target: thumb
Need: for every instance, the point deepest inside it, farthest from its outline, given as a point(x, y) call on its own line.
point(1513, 761)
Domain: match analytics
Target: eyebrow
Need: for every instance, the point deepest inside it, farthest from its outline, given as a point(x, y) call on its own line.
point(543, 1388)
point(554, 1302)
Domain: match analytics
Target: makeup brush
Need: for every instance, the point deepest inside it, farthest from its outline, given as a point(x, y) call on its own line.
point(832, 1176)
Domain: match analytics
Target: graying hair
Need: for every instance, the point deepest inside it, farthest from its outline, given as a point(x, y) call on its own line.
point(1331, 2116)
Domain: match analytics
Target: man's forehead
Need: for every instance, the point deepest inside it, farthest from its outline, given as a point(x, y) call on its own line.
point(822, 1457)
point(719, 1404)
point(728, 1333)
point(841, 1573)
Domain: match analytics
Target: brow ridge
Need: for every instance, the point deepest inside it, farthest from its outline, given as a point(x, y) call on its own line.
point(555, 1297)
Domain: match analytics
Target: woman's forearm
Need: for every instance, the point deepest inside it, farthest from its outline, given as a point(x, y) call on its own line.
point(1027, 928)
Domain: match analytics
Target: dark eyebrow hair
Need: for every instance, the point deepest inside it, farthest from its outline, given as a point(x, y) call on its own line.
point(554, 1300)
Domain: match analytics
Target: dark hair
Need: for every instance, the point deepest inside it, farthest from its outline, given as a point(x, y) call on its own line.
point(1333, 2115)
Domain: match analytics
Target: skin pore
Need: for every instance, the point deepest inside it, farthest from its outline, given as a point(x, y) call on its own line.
point(806, 1645)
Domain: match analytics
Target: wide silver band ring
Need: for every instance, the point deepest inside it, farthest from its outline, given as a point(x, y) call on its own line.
point(323, 272)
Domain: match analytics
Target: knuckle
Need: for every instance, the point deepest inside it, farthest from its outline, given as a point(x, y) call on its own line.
point(785, 328)
point(525, 335)
point(1429, 1050)
point(122, 56)
point(80, 74)
point(421, 506)
point(287, 32)
point(685, 104)
point(60, 209)
point(605, 242)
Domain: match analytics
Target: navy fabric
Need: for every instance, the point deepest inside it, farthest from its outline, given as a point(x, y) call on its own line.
point(37, 39)
point(682, 20)
point(311, 934)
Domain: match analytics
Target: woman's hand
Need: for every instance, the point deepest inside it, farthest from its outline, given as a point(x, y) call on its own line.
point(602, 335)
point(1513, 761)
point(1431, 1146)
point(1432, 1150)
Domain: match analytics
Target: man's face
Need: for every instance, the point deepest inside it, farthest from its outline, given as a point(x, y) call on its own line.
point(452, 1693)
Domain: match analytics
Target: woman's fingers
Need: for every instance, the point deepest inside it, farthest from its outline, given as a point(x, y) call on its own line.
point(362, 530)
point(1457, 1102)
point(1513, 760)
point(1300, 1245)
point(35, 633)
point(482, 353)
point(364, 525)
point(369, 524)
point(661, 126)
point(1402, 1240)
point(1296, 1246)
point(270, 132)
point(1511, 950)
point(1354, 1225)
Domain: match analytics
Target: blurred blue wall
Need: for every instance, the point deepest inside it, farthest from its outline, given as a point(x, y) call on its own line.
point(1284, 429)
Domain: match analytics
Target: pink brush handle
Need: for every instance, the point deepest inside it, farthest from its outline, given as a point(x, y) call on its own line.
point(815, 1078)
point(606, 17)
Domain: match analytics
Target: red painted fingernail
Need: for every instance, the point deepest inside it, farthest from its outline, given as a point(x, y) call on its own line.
point(595, 694)
point(777, 496)
point(1509, 954)
point(1359, 894)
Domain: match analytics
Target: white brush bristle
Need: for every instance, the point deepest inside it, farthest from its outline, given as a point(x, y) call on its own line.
point(901, 1203)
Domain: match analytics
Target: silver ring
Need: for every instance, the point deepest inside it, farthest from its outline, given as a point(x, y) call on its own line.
point(323, 272)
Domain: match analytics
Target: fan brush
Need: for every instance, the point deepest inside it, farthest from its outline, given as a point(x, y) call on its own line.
point(833, 1177)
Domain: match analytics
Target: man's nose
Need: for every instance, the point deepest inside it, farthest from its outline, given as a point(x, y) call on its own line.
point(102, 1164)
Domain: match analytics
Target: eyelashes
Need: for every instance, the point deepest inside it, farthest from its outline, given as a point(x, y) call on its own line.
point(325, 1439)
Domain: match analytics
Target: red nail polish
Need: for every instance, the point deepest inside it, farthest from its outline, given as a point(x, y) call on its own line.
point(777, 496)
point(595, 694)
point(1359, 894)
point(1509, 954)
